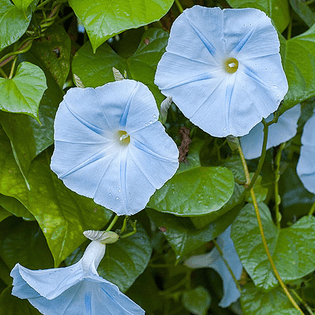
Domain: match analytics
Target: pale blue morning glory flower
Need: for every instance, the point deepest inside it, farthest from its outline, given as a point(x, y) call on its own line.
point(223, 69)
point(110, 146)
point(73, 290)
point(306, 165)
point(214, 260)
point(282, 131)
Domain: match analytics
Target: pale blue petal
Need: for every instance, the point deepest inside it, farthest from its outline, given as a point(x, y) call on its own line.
point(282, 131)
point(48, 283)
point(88, 155)
point(192, 69)
point(249, 33)
point(73, 290)
point(201, 37)
point(150, 149)
point(214, 260)
point(90, 296)
point(306, 166)
point(140, 111)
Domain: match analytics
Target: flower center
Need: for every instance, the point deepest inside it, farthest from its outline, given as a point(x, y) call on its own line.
point(123, 137)
point(231, 65)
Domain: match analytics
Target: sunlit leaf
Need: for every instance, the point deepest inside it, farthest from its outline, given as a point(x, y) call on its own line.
point(105, 18)
point(23, 92)
point(13, 23)
point(97, 69)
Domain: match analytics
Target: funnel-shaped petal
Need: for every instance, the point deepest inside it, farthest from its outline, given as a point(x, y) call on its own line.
point(110, 146)
point(223, 69)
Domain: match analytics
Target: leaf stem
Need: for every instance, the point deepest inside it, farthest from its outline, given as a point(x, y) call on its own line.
point(12, 68)
point(179, 6)
point(262, 157)
point(112, 223)
point(227, 264)
point(312, 209)
point(3, 73)
point(261, 230)
point(25, 46)
point(42, 4)
point(303, 302)
point(277, 177)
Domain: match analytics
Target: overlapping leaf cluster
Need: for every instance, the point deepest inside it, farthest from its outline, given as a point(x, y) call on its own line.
point(42, 54)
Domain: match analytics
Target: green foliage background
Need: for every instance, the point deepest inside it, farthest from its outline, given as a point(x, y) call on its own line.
point(41, 221)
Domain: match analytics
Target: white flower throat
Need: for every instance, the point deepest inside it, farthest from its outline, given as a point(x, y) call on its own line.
point(231, 65)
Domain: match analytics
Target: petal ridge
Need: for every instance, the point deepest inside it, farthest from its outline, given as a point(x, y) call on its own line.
point(83, 121)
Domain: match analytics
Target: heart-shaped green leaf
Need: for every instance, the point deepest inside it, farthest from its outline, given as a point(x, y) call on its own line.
point(197, 300)
point(93, 70)
point(258, 302)
point(23, 92)
point(300, 68)
point(292, 248)
point(61, 214)
point(194, 190)
point(182, 235)
point(22, 4)
point(105, 18)
point(13, 23)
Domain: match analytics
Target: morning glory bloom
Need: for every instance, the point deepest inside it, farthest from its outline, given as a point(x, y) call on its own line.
point(306, 165)
point(280, 132)
point(73, 290)
point(214, 260)
point(223, 69)
point(110, 146)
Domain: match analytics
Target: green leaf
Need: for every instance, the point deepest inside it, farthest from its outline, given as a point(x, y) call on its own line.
point(289, 311)
point(303, 11)
point(43, 133)
point(296, 201)
point(300, 68)
point(287, 246)
point(182, 235)
point(277, 10)
point(23, 147)
point(23, 92)
point(53, 51)
point(11, 305)
point(234, 164)
point(258, 302)
point(96, 69)
point(124, 261)
point(5, 273)
point(237, 200)
point(149, 300)
point(4, 214)
point(106, 18)
point(193, 192)
point(24, 242)
point(22, 4)
point(127, 259)
point(261, 192)
point(197, 301)
point(61, 214)
point(13, 23)
point(15, 207)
